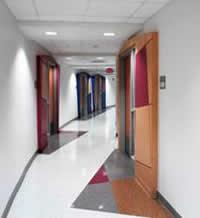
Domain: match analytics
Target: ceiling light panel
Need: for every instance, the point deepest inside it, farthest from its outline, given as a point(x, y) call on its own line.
point(51, 33)
point(110, 34)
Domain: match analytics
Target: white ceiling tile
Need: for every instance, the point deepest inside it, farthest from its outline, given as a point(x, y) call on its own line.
point(22, 9)
point(70, 18)
point(149, 8)
point(80, 24)
point(105, 19)
point(136, 20)
point(110, 46)
point(61, 8)
point(112, 8)
point(79, 37)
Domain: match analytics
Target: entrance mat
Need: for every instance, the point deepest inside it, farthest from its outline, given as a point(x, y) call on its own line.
point(57, 141)
point(132, 200)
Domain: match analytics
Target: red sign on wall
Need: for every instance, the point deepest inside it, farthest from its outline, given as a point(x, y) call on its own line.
point(109, 70)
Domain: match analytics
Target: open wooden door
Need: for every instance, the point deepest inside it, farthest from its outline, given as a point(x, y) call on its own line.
point(146, 108)
point(146, 123)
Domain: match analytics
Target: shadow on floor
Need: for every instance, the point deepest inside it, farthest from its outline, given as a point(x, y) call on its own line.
point(59, 140)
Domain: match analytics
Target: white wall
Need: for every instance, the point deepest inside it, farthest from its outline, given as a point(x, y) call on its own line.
point(110, 90)
point(68, 93)
point(18, 103)
point(179, 154)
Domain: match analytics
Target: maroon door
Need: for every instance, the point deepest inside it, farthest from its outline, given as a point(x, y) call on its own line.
point(45, 66)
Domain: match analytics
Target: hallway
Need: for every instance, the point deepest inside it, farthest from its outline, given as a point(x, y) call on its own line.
point(55, 181)
point(99, 114)
point(65, 183)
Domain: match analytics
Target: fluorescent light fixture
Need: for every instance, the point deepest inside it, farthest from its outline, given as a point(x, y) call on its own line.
point(51, 33)
point(99, 58)
point(69, 58)
point(109, 34)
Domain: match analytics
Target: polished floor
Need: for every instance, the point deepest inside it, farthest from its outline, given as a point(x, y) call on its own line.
point(98, 194)
point(56, 180)
point(114, 189)
point(63, 138)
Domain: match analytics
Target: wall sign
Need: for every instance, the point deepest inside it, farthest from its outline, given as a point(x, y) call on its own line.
point(162, 82)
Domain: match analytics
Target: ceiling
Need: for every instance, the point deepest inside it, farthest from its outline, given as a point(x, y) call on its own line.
point(81, 24)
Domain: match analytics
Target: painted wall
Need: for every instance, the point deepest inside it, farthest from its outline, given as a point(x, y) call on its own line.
point(18, 103)
point(110, 90)
point(68, 93)
point(179, 174)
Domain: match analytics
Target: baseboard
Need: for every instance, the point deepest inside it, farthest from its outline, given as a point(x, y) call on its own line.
point(67, 123)
point(166, 204)
point(17, 186)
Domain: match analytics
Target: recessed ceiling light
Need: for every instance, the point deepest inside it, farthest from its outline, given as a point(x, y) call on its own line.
point(51, 33)
point(99, 58)
point(109, 34)
point(69, 58)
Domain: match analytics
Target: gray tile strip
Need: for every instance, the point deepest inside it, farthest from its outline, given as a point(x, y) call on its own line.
point(97, 197)
point(166, 204)
point(17, 187)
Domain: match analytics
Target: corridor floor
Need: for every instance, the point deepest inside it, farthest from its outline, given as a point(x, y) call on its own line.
point(55, 181)
point(54, 184)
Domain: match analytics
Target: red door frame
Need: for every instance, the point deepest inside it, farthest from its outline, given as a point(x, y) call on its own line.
point(42, 111)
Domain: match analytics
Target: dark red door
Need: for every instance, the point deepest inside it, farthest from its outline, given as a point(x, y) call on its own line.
point(44, 113)
point(42, 102)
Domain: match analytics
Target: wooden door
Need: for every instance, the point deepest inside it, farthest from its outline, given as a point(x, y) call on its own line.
point(146, 108)
point(42, 102)
point(47, 99)
point(146, 113)
point(54, 81)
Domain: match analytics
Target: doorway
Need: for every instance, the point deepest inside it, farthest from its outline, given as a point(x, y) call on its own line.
point(48, 82)
point(138, 120)
point(128, 65)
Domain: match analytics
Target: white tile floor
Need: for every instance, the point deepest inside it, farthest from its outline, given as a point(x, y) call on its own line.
point(55, 181)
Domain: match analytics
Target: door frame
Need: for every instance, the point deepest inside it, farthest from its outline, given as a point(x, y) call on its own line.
point(137, 43)
point(123, 120)
point(50, 63)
